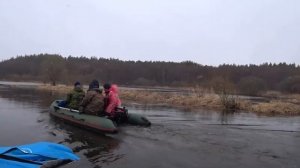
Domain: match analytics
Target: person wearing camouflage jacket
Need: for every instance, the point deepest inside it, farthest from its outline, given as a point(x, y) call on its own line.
point(93, 102)
point(75, 97)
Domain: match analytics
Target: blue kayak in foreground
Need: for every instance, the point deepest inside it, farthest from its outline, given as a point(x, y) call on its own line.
point(40, 154)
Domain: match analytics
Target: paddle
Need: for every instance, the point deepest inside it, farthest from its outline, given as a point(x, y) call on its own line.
point(63, 108)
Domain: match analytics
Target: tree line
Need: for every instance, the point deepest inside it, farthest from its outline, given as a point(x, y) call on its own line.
point(247, 79)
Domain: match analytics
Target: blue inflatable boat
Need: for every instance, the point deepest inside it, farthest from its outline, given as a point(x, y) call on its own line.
point(36, 155)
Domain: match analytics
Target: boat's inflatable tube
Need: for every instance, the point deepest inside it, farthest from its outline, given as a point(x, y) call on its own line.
point(100, 124)
point(94, 123)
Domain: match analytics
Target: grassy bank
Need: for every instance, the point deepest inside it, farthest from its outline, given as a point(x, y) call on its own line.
point(277, 105)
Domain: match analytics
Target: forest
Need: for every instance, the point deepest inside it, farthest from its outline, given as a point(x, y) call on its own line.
point(245, 79)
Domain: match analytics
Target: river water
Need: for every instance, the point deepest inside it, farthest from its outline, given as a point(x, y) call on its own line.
point(176, 139)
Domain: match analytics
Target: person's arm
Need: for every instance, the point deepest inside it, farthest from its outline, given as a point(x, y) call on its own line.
point(69, 97)
point(112, 103)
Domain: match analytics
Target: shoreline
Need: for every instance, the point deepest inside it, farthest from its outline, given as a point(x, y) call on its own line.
point(271, 103)
point(285, 105)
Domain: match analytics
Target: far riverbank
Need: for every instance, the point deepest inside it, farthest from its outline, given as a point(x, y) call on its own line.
point(271, 104)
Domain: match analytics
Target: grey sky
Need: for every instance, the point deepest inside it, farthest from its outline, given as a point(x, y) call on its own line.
point(205, 31)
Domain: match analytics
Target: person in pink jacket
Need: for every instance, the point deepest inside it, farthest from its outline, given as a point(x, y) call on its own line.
point(112, 99)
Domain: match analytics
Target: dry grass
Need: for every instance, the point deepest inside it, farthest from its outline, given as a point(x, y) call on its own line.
point(272, 94)
point(276, 108)
point(289, 105)
point(148, 97)
point(293, 98)
point(57, 88)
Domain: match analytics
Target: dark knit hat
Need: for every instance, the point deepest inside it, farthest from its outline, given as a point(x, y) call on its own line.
point(94, 84)
point(107, 86)
point(76, 83)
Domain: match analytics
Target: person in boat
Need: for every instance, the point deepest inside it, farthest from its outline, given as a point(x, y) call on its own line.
point(111, 99)
point(93, 101)
point(75, 96)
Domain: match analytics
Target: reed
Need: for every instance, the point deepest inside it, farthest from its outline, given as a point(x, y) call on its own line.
point(197, 98)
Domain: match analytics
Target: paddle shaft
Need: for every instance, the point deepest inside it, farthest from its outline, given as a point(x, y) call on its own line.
point(74, 111)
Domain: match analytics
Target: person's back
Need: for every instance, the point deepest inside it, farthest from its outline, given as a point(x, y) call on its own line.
point(75, 97)
point(113, 100)
point(93, 103)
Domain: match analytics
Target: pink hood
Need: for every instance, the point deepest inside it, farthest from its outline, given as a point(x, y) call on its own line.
point(114, 88)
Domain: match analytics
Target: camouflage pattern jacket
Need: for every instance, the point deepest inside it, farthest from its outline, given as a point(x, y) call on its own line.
point(93, 102)
point(74, 98)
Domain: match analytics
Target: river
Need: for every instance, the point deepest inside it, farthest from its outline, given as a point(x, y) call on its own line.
point(176, 139)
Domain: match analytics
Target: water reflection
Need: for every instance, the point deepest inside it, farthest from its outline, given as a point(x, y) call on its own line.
point(98, 149)
point(29, 96)
point(226, 116)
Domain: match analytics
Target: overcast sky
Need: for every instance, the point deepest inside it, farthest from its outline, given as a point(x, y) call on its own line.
point(204, 31)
